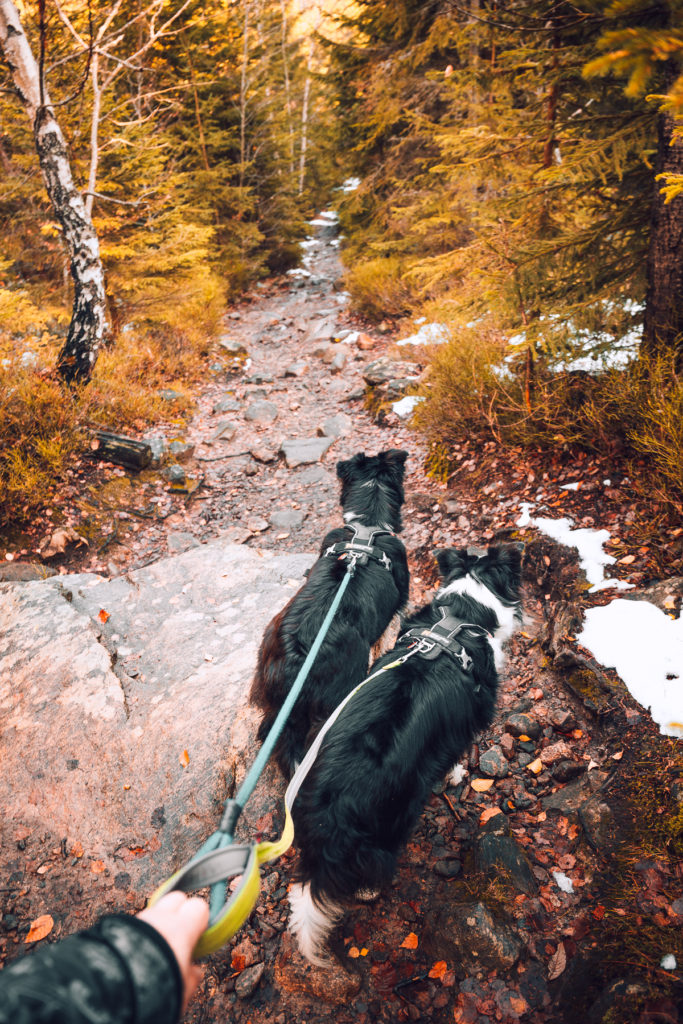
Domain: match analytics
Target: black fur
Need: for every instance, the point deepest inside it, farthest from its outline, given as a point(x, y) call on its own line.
point(371, 492)
point(396, 739)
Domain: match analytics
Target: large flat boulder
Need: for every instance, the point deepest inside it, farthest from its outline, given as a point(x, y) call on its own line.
point(124, 720)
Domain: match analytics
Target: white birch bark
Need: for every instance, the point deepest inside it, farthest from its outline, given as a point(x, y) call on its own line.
point(89, 327)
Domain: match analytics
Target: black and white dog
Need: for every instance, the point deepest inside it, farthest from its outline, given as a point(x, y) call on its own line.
point(398, 736)
point(371, 500)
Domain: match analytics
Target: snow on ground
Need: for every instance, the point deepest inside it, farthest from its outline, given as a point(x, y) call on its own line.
point(428, 334)
point(641, 642)
point(645, 646)
point(406, 406)
point(588, 543)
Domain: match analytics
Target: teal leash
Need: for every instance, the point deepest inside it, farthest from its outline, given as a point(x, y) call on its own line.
point(223, 836)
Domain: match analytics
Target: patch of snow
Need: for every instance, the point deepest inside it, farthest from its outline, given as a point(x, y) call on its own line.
point(571, 487)
point(406, 406)
point(350, 185)
point(563, 881)
point(645, 646)
point(668, 962)
point(420, 320)
point(299, 272)
point(428, 334)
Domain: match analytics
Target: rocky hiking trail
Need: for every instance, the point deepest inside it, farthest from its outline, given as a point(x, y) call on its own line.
point(546, 885)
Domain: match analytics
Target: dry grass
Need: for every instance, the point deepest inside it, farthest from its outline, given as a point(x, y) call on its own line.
point(635, 414)
point(378, 289)
point(43, 426)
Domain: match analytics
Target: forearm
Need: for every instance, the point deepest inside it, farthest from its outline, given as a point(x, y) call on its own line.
point(120, 971)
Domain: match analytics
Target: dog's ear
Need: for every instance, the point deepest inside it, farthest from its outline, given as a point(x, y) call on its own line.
point(395, 457)
point(451, 559)
point(509, 555)
point(346, 468)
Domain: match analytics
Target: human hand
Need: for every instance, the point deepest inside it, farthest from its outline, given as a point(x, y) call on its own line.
point(180, 920)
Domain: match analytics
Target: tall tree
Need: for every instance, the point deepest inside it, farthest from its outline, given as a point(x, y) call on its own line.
point(89, 327)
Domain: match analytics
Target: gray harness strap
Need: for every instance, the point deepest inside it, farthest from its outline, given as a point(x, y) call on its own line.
point(442, 638)
point(362, 546)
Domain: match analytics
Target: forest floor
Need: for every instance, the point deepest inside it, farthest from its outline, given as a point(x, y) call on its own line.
point(572, 795)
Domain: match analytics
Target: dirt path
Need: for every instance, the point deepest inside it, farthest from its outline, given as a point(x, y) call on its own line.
point(529, 892)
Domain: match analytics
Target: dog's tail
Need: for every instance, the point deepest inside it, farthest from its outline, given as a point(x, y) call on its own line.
point(311, 922)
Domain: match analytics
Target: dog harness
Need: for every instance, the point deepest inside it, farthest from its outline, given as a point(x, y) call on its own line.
point(362, 546)
point(442, 638)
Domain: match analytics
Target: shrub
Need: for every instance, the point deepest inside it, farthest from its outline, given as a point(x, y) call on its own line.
point(378, 288)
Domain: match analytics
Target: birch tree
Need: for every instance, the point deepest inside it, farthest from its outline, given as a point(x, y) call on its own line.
point(89, 327)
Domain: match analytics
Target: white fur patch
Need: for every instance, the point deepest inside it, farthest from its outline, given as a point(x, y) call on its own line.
point(457, 774)
point(311, 923)
point(508, 617)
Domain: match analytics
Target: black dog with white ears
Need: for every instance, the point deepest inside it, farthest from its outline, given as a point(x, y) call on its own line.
point(398, 736)
point(371, 500)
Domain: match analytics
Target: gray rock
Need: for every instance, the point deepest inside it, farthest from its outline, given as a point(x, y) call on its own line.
point(494, 763)
point(450, 868)
point(262, 453)
point(157, 447)
point(324, 331)
point(469, 934)
point(297, 369)
point(338, 362)
point(225, 431)
point(180, 541)
point(235, 348)
point(300, 451)
point(175, 474)
point(117, 703)
point(261, 411)
point(287, 519)
point(257, 524)
point(522, 725)
point(316, 475)
point(227, 404)
point(565, 771)
point(181, 451)
point(598, 822)
point(496, 851)
point(568, 799)
point(383, 370)
point(169, 395)
point(336, 426)
point(24, 572)
point(248, 981)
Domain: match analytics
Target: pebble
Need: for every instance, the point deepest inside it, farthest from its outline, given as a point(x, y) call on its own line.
point(175, 474)
point(296, 369)
point(225, 431)
point(261, 412)
point(564, 771)
point(522, 725)
point(227, 404)
point(448, 868)
point(287, 519)
point(249, 980)
point(257, 525)
point(181, 450)
point(494, 763)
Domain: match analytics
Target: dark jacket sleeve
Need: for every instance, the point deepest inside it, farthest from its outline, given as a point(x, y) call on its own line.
point(121, 971)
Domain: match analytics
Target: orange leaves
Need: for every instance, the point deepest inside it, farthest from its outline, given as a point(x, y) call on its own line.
point(535, 766)
point(438, 970)
point(410, 941)
point(627, 560)
point(489, 813)
point(481, 785)
point(97, 867)
point(41, 927)
point(77, 850)
point(184, 759)
point(355, 952)
point(103, 615)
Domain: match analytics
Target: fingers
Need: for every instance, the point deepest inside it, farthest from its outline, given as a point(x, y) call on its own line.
point(181, 921)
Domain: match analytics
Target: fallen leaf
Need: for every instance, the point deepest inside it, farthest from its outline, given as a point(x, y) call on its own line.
point(410, 941)
point(41, 927)
point(364, 951)
point(618, 756)
point(598, 912)
point(627, 560)
point(536, 693)
point(592, 764)
point(573, 831)
point(536, 766)
point(489, 813)
point(438, 970)
point(77, 849)
point(97, 867)
point(43, 869)
point(523, 738)
point(60, 540)
point(103, 616)
point(557, 963)
point(670, 602)
point(238, 962)
point(184, 759)
point(519, 1005)
point(542, 816)
point(481, 785)
point(577, 734)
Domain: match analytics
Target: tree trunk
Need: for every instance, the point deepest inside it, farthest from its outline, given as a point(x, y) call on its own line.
point(89, 328)
point(663, 327)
